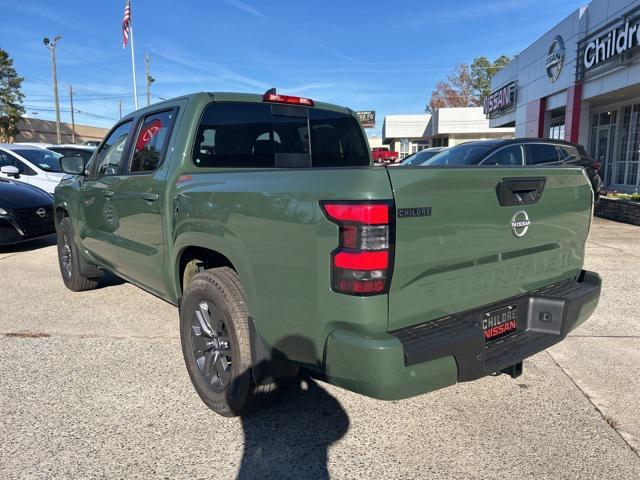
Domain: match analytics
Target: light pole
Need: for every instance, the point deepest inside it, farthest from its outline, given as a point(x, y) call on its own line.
point(73, 121)
point(150, 79)
point(51, 45)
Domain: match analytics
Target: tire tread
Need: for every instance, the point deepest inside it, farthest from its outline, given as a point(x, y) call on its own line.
point(226, 281)
point(77, 282)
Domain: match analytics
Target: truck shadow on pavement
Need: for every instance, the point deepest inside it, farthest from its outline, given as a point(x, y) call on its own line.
point(291, 436)
point(110, 280)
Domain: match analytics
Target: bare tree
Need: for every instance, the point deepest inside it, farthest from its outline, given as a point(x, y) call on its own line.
point(466, 85)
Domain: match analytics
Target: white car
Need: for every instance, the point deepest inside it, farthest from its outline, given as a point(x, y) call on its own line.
point(33, 165)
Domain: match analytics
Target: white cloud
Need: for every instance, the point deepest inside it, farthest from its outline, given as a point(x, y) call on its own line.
point(244, 7)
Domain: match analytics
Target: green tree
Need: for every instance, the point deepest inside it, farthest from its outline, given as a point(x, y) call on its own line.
point(482, 70)
point(11, 109)
point(466, 85)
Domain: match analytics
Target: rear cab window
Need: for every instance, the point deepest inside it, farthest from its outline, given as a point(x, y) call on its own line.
point(254, 135)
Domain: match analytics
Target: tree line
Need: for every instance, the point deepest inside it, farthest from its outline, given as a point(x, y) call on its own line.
point(11, 96)
point(466, 85)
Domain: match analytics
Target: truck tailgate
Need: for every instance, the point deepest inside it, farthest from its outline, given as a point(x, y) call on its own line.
point(457, 249)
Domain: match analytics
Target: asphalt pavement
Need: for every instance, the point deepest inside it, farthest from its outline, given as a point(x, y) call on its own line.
point(92, 385)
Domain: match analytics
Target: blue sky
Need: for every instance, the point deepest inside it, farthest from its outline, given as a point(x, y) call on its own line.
point(373, 55)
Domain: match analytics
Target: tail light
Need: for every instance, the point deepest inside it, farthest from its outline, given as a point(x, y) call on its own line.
point(362, 263)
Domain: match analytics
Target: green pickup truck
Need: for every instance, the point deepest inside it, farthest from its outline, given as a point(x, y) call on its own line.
point(263, 220)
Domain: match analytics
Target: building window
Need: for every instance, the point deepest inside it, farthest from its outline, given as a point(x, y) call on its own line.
point(556, 124)
point(414, 148)
point(556, 129)
point(404, 148)
point(625, 167)
point(440, 141)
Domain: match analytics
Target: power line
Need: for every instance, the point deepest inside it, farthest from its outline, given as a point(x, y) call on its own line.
point(79, 112)
point(91, 63)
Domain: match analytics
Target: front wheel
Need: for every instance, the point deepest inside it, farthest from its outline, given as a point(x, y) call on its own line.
point(216, 343)
point(69, 260)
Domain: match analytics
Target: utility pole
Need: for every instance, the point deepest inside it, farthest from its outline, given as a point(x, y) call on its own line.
point(120, 108)
point(73, 121)
point(150, 79)
point(51, 45)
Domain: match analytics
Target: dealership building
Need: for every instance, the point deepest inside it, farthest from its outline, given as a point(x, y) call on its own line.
point(446, 127)
point(580, 82)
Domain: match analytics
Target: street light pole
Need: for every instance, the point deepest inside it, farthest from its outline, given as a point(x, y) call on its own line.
point(51, 45)
point(73, 122)
point(150, 79)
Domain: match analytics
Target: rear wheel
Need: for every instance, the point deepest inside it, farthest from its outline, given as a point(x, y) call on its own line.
point(69, 260)
point(216, 343)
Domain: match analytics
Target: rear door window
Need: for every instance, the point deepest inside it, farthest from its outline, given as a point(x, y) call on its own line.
point(150, 144)
point(540, 153)
point(254, 135)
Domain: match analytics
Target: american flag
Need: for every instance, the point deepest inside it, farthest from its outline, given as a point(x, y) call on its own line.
point(126, 24)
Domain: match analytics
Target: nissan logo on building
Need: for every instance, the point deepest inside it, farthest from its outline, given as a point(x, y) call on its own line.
point(555, 59)
point(520, 223)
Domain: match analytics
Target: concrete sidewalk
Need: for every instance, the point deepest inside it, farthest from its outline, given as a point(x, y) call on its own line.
point(93, 385)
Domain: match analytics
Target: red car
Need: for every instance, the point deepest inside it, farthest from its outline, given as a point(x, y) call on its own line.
point(384, 155)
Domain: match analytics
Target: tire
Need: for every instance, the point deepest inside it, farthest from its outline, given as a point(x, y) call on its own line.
point(216, 344)
point(69, 260)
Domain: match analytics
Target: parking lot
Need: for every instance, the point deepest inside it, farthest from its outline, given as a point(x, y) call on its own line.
point(93, 385)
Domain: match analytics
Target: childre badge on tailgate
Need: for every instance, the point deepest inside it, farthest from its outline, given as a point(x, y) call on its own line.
point(414, 212)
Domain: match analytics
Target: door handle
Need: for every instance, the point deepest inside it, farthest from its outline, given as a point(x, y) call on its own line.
point(108, 193)
point(150, 197)
point(520, 191)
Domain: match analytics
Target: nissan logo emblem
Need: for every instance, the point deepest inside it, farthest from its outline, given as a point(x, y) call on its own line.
point(520, 223)
point(555, 59)
point(41, 212)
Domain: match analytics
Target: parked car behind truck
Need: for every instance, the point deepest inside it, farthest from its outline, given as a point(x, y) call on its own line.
point(383, 155)
point(261, 218)
point(519, 152)
point(26, 213)
point(33, 165)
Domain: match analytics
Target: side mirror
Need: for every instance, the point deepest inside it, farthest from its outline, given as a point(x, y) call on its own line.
point(73, 165)
point(11, 171)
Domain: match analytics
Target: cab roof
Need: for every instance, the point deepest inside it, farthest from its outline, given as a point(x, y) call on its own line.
point(234, 97)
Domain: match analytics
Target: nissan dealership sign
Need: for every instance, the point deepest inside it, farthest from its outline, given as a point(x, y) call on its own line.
point(555, 59)
point(500, 100)
point(613, 42)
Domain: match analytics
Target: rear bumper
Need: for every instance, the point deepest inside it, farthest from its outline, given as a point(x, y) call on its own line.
point(435, 354)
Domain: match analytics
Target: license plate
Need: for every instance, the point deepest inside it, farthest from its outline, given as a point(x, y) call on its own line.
point(499, 323)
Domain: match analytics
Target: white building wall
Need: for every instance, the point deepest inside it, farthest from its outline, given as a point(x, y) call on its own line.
point(610, 87)
point(374, 141)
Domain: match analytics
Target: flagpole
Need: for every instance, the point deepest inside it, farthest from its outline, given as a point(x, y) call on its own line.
point(133, 67)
